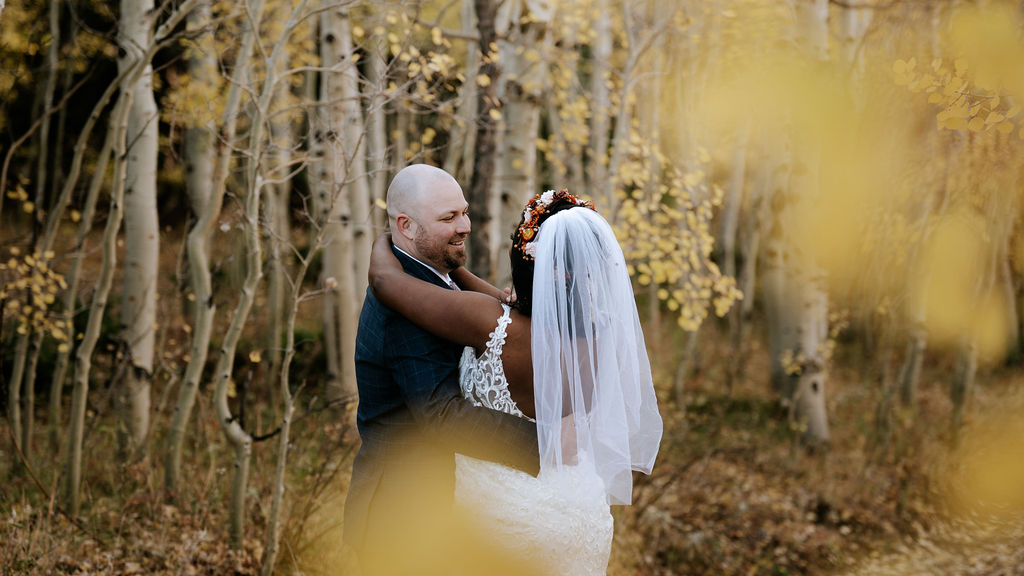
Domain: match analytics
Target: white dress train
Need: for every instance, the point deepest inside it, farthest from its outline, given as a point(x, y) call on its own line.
point(559, 521)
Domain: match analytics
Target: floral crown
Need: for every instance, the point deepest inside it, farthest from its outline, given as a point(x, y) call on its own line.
point(524, 238)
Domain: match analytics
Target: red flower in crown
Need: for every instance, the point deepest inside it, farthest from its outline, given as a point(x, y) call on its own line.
point(523, 239)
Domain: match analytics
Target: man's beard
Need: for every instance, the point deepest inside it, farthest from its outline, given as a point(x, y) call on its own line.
point(439, 256)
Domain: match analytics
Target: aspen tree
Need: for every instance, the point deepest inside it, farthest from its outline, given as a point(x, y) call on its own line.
point(523, 46)
point(489, 114)
point(90, 336)
point(600, 96)
point(28, 344)
point(459, 160)
point(204, 164)
point(341, 177)
point(142, 231)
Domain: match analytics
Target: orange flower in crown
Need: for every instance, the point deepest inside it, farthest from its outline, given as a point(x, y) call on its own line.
point(524, 239)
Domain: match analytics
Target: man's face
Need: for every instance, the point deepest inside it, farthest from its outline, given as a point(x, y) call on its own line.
point(442, 227)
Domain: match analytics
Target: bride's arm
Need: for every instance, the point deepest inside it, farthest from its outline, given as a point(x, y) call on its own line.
point(469, 281)
point(463, 317)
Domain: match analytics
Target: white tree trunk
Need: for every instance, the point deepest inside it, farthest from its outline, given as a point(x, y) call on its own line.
point(377, 154)
point(200, 183)
point(523, 82)
point(600, 98)
point(807, 325)
point(83, 356)
point(335, 199)
point(23, 373)
point(462, 141)
point(142, 229)
point(71, 294)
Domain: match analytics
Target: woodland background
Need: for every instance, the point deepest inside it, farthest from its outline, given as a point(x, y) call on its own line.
point(819, 201)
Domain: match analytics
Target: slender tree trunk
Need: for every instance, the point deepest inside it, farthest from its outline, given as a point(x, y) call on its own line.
point(142, 238)
point(207, 201)
point(276, 209)
point(29, 342)
point(356, 181)
point(377, 159)
point(42, 166)
point(274, 522)
point(29, 409)
point(237, 436)
point(462, 142)
point(83, 356)
point(71, 294)
point(730, 225)
point(200, 156)
point(482, 179)
point(14, 401)
point(600, 96)
point(56, 182)
point(335, 202)
point(523, 83)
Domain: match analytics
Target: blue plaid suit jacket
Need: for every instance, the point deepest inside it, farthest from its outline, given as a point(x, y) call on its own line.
point(412, 417)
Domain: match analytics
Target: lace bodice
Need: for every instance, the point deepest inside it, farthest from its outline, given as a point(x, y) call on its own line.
point(483, 377)
point(558, 523)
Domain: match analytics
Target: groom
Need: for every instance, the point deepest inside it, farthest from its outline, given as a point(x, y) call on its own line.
point(412, 417)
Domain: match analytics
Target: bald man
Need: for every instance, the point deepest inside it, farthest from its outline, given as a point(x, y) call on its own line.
point(412, 417)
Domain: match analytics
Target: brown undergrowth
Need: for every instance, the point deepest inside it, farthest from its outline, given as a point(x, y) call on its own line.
point(731, 492)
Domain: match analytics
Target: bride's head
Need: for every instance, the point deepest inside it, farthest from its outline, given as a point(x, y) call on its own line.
point(523, 251)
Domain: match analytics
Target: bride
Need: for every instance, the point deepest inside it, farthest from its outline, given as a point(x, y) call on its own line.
point(568, 353)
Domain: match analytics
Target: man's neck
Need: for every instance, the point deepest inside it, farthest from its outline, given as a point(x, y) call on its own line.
point(442, 275)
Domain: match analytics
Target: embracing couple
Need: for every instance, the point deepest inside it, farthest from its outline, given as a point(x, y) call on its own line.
point(497, 429)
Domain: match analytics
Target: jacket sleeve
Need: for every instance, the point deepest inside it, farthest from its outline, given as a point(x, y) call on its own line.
point(422, 367)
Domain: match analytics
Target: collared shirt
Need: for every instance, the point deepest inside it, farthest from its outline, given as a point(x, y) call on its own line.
point(447, 279)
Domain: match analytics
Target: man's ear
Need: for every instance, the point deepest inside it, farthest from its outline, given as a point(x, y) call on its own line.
point(404, 225)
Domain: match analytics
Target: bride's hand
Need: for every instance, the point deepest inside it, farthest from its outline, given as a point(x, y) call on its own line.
point(382, 259)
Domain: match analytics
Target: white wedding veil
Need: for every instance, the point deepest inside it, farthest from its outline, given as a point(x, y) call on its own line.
point(594, 397)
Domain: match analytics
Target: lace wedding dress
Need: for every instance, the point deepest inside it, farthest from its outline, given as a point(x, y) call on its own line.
point(559, 521)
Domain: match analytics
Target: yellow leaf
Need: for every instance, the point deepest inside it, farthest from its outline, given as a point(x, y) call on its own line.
point(1005, 127)
point(495, 114)
point(934, 98)
point(1012, 112)
point(483, 80)
point(76, 216)
point(28, 207)
point(976, 124)
point(435, 36)
point(994, 118)
point(380, 203)
point(254, 357)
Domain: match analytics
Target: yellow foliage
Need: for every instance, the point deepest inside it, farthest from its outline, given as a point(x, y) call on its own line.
point(30, 284)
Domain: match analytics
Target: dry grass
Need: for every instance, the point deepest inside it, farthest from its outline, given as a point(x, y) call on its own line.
point(731, 492)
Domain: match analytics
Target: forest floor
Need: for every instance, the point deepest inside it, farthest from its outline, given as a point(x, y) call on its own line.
point(731, 492)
